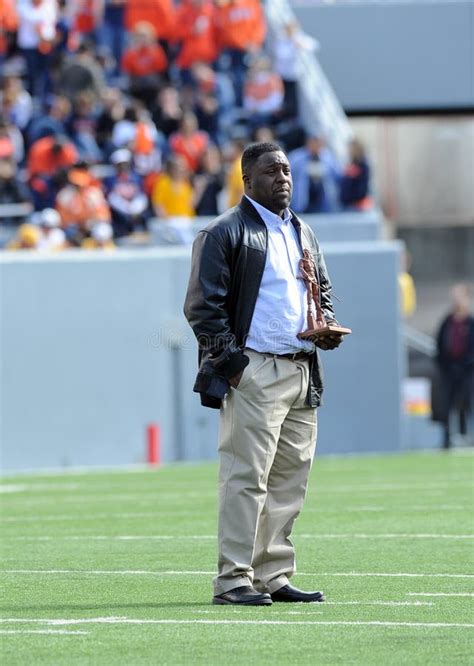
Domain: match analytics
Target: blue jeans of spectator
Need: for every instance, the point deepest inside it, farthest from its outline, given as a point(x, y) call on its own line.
point(43, 192)
point(37, 64)
point(114, 37)
point(234, 62)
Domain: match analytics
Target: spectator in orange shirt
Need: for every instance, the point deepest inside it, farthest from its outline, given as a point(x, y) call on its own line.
point(195, 29)
point(81, 204)
point(189, 141)
point(240, 29)
point(46, 162)
point(8, 25)
point(263, 93)
point(160, 13)
point(86, 16)
point(144, 62)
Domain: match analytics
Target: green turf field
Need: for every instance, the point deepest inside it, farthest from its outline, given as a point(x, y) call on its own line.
point(116, 568)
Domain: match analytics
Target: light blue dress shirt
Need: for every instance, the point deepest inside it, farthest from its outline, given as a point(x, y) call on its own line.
point(280, 310)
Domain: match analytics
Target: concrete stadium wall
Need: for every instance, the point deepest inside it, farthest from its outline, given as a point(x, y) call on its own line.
point(94, 347)
point(395, 54)
point(329, 227)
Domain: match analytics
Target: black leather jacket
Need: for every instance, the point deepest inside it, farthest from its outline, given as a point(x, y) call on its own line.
point(227, 266)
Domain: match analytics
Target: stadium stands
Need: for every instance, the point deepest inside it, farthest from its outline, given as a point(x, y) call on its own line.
point(82, 81)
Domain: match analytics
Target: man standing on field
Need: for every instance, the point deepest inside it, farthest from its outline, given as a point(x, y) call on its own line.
point(246, 303)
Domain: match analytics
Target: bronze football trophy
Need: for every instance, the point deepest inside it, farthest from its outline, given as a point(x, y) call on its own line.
point(317, 325)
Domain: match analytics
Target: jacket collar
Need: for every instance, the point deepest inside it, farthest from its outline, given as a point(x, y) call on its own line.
point(251, 211)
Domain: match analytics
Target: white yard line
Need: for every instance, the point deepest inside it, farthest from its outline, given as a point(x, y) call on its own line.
point(12, 488)
point(154, 494)
point(378, 603)
point(144, 496)
point(208, 537)
point(102, 572)
point(424, 508)
point(95, 516)
point(126, 537)
point(36, 487)
point(385, 536)
point(56, 632)
point(440, 594)
point(391, 575)
point(311, 611)
point(158, 513)
point(145, 572)
point(131, 621)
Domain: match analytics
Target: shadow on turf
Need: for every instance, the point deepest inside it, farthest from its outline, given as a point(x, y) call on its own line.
point(102, 607)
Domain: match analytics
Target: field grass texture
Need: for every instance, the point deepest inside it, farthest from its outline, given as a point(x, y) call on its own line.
point(116, 568)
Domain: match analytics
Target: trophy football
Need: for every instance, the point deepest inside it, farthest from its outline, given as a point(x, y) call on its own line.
point(317, 325)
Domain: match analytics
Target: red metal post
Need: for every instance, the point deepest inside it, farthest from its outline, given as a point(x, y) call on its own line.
point(153, 444)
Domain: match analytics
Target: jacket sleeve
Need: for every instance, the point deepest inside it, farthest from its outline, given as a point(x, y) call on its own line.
point(205, 306)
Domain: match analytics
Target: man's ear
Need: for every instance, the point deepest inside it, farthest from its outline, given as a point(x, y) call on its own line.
point(246, 179)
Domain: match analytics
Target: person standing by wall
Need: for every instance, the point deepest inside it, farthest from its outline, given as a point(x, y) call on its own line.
point(455, 360)
point(246, 305)
point(36, 34)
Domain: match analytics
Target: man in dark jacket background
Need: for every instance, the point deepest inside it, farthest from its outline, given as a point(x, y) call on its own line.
point(455, 359)
point(246, 303)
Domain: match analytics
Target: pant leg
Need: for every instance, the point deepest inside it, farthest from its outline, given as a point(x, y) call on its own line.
point(274, 560)
point(251, 419)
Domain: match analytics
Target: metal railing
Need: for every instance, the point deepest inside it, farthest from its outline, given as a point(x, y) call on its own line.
point(419, 342)
point(320, 110)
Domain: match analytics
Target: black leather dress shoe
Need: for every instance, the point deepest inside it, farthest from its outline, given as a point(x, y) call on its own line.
point(245, 596)
point(290, 593)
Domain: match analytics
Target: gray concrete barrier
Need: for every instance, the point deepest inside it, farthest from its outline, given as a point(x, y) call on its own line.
point(94, 347)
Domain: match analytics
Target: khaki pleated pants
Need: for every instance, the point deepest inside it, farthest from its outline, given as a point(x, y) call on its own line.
point(266, 447)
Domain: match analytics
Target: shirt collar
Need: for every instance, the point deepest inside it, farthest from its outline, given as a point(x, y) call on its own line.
point(268, 216)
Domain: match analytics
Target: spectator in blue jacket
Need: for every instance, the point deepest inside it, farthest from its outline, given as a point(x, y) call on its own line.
point(51, 123)
point(316, 177)
point(354, 191)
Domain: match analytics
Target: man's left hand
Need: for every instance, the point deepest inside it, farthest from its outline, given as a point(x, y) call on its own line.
point(328, 342)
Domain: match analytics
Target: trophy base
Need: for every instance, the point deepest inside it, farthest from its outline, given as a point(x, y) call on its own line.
point(329, 329)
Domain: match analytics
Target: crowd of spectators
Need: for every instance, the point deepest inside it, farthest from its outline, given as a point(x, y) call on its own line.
point(114, 112)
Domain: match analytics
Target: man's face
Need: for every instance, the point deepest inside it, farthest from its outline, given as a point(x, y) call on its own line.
point(269, 182)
